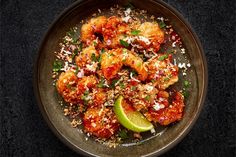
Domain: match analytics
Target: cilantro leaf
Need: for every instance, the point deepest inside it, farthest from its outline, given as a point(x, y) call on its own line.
point(163, 57)
point(123, 134)
point(162, 24)
point(135, 32)
point(124, 43)
point(57, 66)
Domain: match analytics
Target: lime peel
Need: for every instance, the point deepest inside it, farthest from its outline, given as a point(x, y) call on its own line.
point(134, 121)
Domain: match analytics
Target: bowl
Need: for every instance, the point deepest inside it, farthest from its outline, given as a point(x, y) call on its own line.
point(48, 99)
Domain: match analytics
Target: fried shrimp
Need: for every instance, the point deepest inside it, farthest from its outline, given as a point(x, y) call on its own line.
point(113, 60)
point(161, 71)
point(86, 83)
point(67, 86)
point(100, 122)
point(85, 57)
point(165, 112)
point(114, 30)
point(90, 30)
point(150, 36)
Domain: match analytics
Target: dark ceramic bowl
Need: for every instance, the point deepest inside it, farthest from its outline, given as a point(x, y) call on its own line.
point(48, 99)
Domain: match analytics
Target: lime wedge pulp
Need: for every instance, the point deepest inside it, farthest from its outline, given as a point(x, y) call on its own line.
point(132, 120)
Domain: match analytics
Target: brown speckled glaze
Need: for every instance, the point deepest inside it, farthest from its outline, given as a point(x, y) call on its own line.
point(48, 99)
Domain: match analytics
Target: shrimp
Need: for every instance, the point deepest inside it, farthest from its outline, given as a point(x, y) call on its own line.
point(140, 95)
point(113, 60)
point(110, 64)
point(86, 83)
point(99, 97)
point(67, 86)
point(85, 57)
point(129, 58)
point(90, 30)
point(100, 122)
point(114, 30)
point(150, 36)
point(165, 112)
point(161, 71)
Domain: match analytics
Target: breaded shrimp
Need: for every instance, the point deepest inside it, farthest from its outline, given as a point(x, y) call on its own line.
point(85, 56)
point(161, 71)
point(151, 36)
point(67, 86)
point(113, 31)
point(89, 30)
point(113, 60)
point(86, 83)
point(100, 122)
point(110, 64)
point(167, 112)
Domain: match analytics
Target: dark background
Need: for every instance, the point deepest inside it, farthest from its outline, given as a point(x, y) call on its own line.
point(23, 132)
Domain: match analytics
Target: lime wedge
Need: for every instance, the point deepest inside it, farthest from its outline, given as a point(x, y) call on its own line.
point(130, 119)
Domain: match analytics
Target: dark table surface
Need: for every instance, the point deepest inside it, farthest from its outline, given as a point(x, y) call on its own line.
point(23, 131)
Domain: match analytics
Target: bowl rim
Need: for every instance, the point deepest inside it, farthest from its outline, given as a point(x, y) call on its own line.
point(64, 139)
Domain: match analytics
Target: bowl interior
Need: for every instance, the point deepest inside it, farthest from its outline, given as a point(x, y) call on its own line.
point(48, 98)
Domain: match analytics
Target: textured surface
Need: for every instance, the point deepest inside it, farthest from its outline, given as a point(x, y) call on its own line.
point(23, 132)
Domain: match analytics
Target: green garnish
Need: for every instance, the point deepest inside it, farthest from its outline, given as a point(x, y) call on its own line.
point(113, 82)
point(135, 32)
point(102, 50)
point(94, 58)
point(101, 83)
point(95, 43)
point(75, 53)
point(163, 57)
point(123, 134)
point(148, 97)
point(80, 46)
point(122, 85)
point(139, 64)
point(133, 88)
point(133, 73)
point(124, 43)
point(57, 66)
point(162, 24)
point(186, 84)
point(76, 70)
point(185, 93)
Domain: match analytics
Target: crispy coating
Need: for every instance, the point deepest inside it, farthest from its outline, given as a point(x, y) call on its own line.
point(85, 56)
point(172, 112)
point(85, 83)
point(162, 72)
point(113, 60)
point(66, 86)
point(113, 31)
point(100, 122)
point(93, 26)
point(151, 31)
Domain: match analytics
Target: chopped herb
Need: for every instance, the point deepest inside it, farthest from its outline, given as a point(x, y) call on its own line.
point(123, 134)
point(153, 81)
point(185, 93)
point(57, 65)
point(166, 78)
point(148, 97)
point(95, 43)
point(133, 88)
point(124, 43)
point(84, 97)
point(122, 85)
point(162, 24)
point(93, 57)
point(75, 53)
point(135, 32)
point(113, 82)
point(102, 50)
point(186, 84)
point(133, 73)
point(76, 70)
point(163, 57)
point(80, 46)
point(101, 83)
